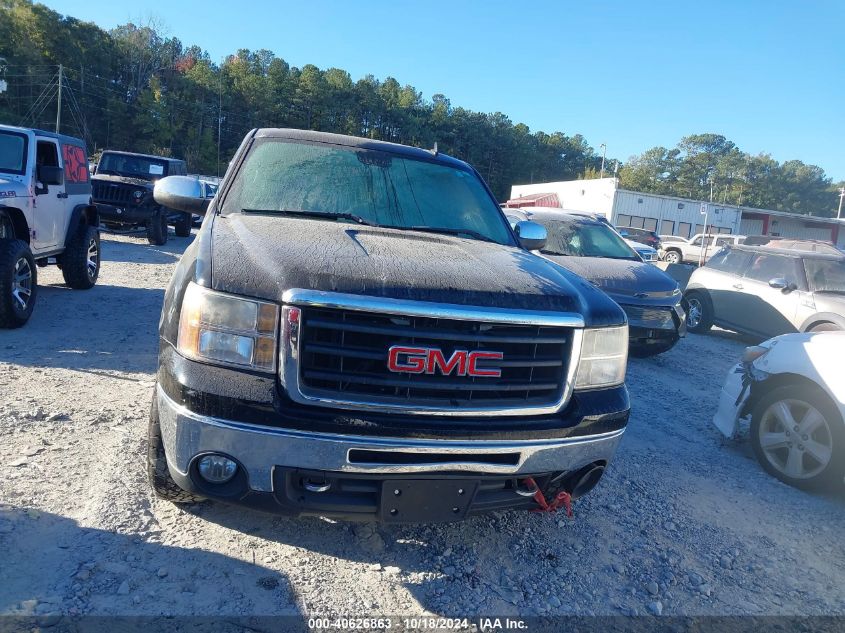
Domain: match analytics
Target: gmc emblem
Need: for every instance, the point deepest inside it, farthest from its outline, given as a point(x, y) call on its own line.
point(428, 360)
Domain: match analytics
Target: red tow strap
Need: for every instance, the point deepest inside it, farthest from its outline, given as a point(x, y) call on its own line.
point(562, 499)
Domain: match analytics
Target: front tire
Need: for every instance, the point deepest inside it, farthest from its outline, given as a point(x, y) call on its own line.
point(18, 283)
point(183, 225)
point(157, 228)
point(81, 259)
point(798, 437)
point(672, 257)
point(157, 472)
point(700, 313)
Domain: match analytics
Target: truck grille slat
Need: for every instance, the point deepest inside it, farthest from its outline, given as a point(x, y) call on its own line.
point(344, 357)
point(437, 385)
point(360, 353)
point(395, 330)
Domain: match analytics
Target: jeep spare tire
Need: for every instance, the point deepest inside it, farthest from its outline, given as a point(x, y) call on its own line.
point(81, 259)
point(157, 228)
point(18, 283)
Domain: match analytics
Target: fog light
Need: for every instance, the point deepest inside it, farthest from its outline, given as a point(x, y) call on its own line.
point(217, 469)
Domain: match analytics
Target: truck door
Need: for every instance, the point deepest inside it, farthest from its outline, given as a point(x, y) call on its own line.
point(50, 200)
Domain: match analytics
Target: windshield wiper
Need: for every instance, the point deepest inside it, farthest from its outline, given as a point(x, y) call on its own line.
point(315, 214)
point(447, 231)
point(832, 291)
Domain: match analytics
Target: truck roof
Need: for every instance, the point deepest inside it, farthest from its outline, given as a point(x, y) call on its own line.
point(44, 133)
point(168, 159)
point(362, 143)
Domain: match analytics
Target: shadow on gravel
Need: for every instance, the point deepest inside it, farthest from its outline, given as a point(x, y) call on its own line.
point(106, 573)
point(107, 327)
point(469, 567)
point(141, 252)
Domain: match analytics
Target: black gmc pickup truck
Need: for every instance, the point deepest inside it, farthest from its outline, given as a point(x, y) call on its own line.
point(358, 332)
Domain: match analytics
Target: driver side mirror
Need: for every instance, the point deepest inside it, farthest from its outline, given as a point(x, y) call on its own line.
point(49, 175)
point(182, 193)
point(531, 236)
point(779, 283)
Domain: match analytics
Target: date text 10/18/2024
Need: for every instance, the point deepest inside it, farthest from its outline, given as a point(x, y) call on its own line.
point(416, 623)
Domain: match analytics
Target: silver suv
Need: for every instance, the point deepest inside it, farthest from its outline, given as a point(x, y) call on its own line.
point(767, 291)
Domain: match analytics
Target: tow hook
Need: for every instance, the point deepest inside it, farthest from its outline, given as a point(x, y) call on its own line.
point(562, 500)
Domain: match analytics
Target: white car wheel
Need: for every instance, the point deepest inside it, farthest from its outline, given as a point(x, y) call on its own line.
point(797, 436)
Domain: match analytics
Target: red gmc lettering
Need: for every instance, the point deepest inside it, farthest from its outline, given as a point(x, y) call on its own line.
point(418, 360)
point(475, 356)
point(414, 362)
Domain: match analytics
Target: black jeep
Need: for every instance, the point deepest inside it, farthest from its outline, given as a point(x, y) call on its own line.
point(123, 192)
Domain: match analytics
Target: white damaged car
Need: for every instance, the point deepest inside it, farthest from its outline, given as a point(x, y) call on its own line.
point(793, 389)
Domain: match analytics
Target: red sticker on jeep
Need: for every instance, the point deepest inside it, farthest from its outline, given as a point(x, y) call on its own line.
point(76, 164)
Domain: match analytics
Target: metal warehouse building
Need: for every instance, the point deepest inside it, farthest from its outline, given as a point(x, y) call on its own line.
point(669, 215)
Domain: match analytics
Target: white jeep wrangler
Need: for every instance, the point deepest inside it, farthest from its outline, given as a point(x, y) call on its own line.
point(46, 217)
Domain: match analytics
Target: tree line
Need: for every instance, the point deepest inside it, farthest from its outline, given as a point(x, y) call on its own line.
point(135, 88)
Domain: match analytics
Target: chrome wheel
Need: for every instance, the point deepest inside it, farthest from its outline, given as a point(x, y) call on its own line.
point(93, 260)
point(671, 257)
point(22, 283)
point(695, 313)
point(795, 439)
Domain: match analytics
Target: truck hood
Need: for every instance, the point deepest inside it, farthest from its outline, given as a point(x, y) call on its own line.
point(620, 277)
point(263, 256)
point(124, 180)
point(12, 187)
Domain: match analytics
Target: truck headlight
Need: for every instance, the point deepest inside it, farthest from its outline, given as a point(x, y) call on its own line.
point(228, 329)
point(604, 358)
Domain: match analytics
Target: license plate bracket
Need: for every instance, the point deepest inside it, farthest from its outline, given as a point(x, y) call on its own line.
point(426, 500)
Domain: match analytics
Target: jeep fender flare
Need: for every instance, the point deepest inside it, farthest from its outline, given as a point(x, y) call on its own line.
point(82, 214)
point(18, 220)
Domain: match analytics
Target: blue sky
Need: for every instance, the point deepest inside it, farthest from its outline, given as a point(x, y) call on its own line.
point(768, 75)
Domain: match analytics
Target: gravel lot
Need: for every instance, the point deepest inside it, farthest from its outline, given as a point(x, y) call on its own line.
point(682, 523)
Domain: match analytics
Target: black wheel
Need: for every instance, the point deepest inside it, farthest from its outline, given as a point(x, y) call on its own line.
point(80, 262)
point(183, 225)
point(672, 257)
point(18, 283)
point(157, 228)
point(700, 313)
point(157, 473)
point(798, 436)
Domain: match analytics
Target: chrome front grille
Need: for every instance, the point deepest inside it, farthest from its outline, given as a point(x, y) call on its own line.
point(650, 317)
point(341, 357)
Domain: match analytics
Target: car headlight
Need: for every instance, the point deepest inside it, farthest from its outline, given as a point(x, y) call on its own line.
point(604, 358)
point(228, 329)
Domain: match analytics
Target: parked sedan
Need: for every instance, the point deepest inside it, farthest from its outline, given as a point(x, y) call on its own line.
point(792, 390)
point(764, 291)
point(591, 248)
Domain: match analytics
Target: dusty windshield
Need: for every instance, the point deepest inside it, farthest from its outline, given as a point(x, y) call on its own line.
point(12, 153)
point(584, 239)
point(826, 275)
point(132, 166)
point(373, 187)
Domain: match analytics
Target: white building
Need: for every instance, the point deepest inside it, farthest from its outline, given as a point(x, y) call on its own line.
point(669, 215)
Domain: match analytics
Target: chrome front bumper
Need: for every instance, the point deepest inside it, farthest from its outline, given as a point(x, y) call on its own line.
point(259, 449)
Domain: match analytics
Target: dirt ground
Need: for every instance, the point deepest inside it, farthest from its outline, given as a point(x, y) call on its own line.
point(682, 523)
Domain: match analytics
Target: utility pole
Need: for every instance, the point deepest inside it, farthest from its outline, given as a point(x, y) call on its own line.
point(59, 105)
point(603, 154)
point(219, 113)
point(841, 197)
